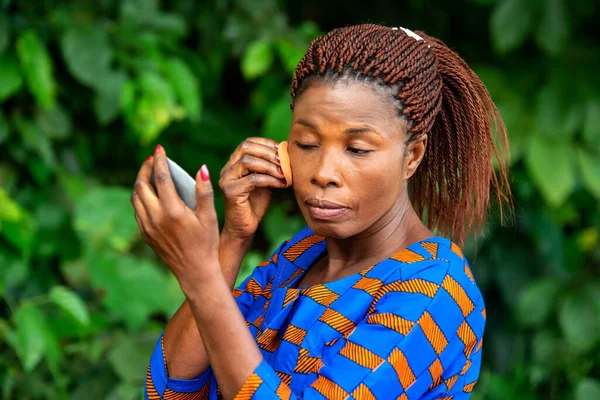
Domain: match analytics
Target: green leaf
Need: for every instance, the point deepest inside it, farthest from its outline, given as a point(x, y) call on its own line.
point(278, 225)
point(55, 123)
point(10, 76)
point(169, 23)
point(557, 116)
point(149, 106)
point(552, 169)
point(145, 14)
point(546, 348)
point(138, 11)
point(588, 388)
point(8, 384)
point(106, 103)
point(70, 303)
point(88, 54)
point(510, 24)
point(278, 120)
point(186, 86)
point(554, 29)
point(30, 341)
point(4, 133)
point(590, 171)
point(104, 217)
point(4, 32)
point(7, 334)
point(591, 126)
point(578, 322)
point(34, 139)
point(10, 210)
point(536, 303)
point(75, 186)
point(21, 234)
point(14, 271)
point(130, 286)
point(290, 55)
point(53, 351)
point(37, 67)
point(257, 59)
point(16, 225)
point(129, 357)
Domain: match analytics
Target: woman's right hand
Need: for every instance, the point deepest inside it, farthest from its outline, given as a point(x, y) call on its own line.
point(245, 181)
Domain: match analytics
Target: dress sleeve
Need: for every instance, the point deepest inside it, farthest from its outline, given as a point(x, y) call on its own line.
point(159, 385)
point(257, 283)
point(419, 340)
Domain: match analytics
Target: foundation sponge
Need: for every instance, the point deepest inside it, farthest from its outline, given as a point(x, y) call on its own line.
point(284, 157)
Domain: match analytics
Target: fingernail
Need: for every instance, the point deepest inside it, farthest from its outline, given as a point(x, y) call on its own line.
point(283, 182)
point(157, 148)
point(280, 170)
point(149, 158)
point(204, 173)
point(276, 146)
point(277, 159)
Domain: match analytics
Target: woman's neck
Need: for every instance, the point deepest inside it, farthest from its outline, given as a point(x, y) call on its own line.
point(380, 241)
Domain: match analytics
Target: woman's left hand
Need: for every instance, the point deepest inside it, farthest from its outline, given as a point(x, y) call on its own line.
point(186, 240)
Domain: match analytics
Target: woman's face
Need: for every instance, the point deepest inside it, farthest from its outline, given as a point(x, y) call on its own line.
point(347, 147)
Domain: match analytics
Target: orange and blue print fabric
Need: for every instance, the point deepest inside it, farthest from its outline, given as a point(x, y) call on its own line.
point(409, 327)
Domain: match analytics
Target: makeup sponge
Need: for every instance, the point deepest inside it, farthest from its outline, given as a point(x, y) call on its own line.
point(284, 157)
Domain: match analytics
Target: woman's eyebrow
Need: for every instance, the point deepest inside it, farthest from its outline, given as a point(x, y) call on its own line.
point(307, 124)
point(349, 130)
point(361, 130)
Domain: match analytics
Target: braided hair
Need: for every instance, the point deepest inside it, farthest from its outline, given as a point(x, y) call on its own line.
point(438, 95)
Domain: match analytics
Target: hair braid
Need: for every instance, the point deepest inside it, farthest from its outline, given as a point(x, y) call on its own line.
point(440, 96)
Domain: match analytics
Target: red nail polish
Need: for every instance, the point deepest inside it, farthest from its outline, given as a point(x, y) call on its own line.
point(149, 158)
point(276, 146)
point(157, 148)
point(204, 173)
point(283, 182)
point(277, 159)
point(280, 170)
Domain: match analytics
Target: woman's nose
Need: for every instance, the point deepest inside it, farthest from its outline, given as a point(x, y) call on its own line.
point(326, 171)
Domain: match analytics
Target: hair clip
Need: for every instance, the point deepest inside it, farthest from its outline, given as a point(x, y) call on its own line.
point(411, 34)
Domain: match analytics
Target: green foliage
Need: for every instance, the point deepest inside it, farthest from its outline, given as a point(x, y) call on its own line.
point(88, 88)
point(37, 68)
point(10, 76)
point(257, 60)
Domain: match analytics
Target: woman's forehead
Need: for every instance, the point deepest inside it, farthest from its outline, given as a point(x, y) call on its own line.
point(347, 102)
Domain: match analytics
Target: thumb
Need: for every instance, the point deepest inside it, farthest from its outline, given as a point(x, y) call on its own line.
point(205, 197)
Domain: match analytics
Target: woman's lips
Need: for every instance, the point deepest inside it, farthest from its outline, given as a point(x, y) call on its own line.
point(326, 213)
point(325, 209)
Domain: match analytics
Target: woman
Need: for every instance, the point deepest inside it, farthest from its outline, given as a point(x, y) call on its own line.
point(366, 302)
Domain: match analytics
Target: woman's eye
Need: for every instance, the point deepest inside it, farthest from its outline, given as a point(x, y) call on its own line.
point(356, 151)
point(306, 146)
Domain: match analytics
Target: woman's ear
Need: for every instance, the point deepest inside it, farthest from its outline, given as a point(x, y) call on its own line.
point(415, 151)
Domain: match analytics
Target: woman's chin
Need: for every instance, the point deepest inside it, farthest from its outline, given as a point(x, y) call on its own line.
point(328, 230)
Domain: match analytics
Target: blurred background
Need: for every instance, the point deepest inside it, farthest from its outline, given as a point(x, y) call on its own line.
point(88, 88)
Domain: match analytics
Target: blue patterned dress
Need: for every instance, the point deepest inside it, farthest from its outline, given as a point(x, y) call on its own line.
point(409, 327)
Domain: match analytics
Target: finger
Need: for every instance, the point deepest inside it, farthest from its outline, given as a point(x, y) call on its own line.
point(249, 164)
point(141, 215)
point(264, 141)
point(248, 183)
point(142, 187)
point(205, 197)
point(163, 181)
point(147, 238)
point(257, 147)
